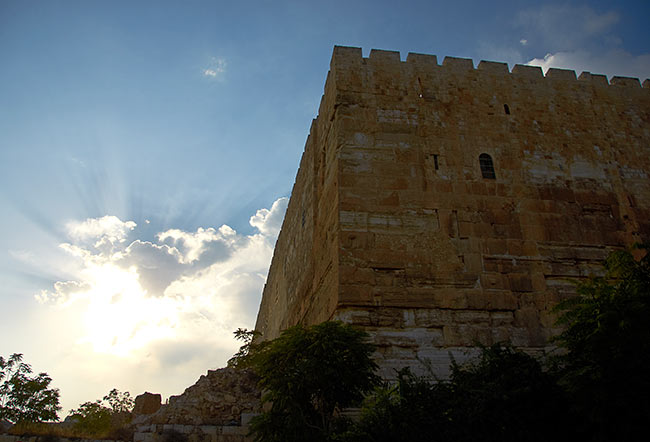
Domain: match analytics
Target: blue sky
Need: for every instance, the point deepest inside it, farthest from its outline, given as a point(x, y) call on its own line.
point(147, 150)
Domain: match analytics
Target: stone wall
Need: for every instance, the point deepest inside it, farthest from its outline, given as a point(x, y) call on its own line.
point(162, 433)
point(217, 408)
point(406, 237)
point(12, 438)
point(217, 398)
point(190, 433)
point(304, 284)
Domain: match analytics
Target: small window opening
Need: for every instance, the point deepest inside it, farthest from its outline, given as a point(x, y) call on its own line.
point(487, 167)
point(435, 161)
point(506, 108)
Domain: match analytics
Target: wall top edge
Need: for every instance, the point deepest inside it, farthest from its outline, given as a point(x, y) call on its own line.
point(352, 56)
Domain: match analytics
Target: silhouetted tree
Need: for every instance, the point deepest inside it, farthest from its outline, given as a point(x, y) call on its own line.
point(504, 395)
point(23, 396)
point(309, 373)
point(607, 345)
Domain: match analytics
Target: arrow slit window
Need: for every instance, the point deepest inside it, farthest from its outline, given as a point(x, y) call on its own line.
point(487, 167)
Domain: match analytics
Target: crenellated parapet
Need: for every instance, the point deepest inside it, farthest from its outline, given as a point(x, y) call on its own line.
point(422, 64)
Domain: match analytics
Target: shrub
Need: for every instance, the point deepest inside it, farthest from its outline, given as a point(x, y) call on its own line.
point(309, 374)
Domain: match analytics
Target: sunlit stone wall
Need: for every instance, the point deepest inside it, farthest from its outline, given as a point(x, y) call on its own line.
point(392, 224)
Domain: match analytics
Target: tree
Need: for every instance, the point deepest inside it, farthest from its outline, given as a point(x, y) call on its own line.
point(97, 418)
point(506, 395)
point(503, 395)
point(23, 396)
point(607, 349)
point(119, 402)
point(92, 418)
point(310, 373)
point(412, 409)
point(247, 337)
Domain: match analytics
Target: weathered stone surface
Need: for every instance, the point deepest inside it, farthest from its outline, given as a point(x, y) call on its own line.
point(147, 403)
point(392, 224)
point(218, 398)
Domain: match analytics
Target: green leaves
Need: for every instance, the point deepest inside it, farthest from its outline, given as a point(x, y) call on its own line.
point(504, 395)
point(119, 402)
point(92, 418)
point(309, 373)
point(96, 418)
point(607, 348)
point(24, 397)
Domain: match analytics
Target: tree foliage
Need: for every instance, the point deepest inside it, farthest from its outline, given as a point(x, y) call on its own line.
point(119, 402)
point(607, 349)
point(504, 395)
point(247, 337)
point(98, 418)
point(310, 373)
point(24, 396)
point(92, 418)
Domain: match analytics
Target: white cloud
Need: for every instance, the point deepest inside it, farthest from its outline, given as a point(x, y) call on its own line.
point(165, 308)
point(63, 291)
point(216, 69)
point(194, 244)
point(611, 63)
point(269, 222)
point(104, 232)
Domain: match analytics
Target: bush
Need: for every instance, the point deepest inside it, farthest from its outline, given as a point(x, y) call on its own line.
point(504, 395)
point(309, 374)
point(104, 416)
point(606, 340)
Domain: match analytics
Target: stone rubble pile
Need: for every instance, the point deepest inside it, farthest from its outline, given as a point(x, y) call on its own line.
point(217, 399)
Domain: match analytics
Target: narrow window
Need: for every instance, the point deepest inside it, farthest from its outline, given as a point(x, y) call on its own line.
point(506, 108)
point(435, 161)
point(487, 167)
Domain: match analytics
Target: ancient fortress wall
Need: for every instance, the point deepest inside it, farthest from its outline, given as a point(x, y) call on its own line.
point(393, 226)
point(304, 282)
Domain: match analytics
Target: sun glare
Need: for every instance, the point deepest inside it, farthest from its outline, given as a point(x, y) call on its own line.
point(120, 317)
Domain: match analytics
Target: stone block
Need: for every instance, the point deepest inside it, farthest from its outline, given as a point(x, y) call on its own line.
point(527, 71)
point(234, 430)
point(493, 67)
point(625, 81)
point(561, 74)
point(147, 403)
point(458, 64)
point(520, 282)
point(246, 418)
point(211, 430)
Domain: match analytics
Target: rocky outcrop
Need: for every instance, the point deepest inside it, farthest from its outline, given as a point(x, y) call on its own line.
point(218, 398)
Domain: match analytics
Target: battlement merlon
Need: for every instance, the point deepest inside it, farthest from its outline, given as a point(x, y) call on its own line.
point(350, 59)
